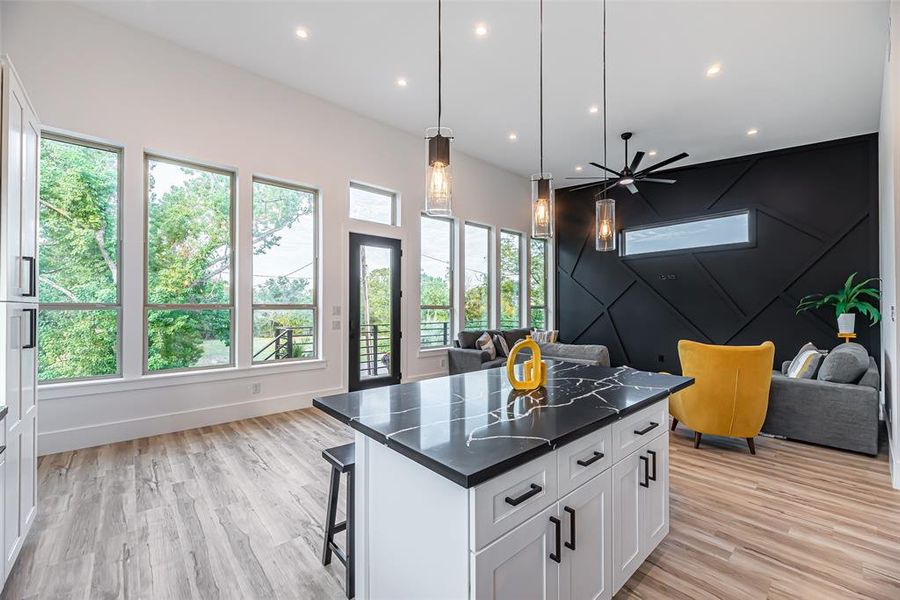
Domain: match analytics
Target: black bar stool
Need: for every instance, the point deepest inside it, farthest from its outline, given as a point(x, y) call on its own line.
point(342, 459)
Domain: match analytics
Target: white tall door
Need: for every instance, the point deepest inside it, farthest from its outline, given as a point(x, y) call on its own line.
point(518, 566)
point(586, 571)
point(18, 192)
point(654, 501)
point(628, 475)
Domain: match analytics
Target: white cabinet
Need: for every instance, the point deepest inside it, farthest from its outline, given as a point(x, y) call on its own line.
point(585, 572)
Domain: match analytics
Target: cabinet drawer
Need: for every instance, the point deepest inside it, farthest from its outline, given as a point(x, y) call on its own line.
point(502, 503)
point(637, 429)
point(583, 459)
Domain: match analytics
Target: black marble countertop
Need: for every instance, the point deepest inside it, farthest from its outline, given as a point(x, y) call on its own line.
point(472, 427)
point(3, 410)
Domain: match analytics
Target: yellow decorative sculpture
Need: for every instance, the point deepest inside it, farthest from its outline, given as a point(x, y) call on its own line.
point(534, 370)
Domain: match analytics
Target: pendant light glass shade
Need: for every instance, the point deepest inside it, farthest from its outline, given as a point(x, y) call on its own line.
point(605, 219)
point(438, 176)
point(542, 206)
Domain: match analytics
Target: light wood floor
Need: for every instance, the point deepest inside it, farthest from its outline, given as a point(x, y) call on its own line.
point(236, 511)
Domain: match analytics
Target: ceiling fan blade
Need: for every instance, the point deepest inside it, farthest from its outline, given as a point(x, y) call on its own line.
point(599, 166)
point(598, 178)
point(632, 188)
point(668, 161)
point(655, 180)
point(583, 186)
point(638, 157)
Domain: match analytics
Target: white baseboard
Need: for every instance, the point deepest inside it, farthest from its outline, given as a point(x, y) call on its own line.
point(62, 440)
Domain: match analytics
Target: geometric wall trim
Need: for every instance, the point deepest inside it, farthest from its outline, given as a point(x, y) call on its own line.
point(816, 215)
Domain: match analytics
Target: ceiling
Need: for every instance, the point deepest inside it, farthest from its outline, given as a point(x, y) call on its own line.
point(798, 72)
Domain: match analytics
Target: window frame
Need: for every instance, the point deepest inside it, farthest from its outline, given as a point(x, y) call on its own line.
point(147, 307)
point(254, 306)
point(119, 151)
point(490, 247)
point(750, 243)
point(374, 189)
point(522, 288)
point(546, 244)
point(451, 222)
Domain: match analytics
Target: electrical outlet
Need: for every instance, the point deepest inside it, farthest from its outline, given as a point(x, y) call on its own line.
point(443, 362)
point(254, 388)
point(336, 310)
point(662, 358)
point(335, 325)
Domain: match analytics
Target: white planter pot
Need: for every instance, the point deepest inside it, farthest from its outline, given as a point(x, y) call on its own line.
point(846, 323)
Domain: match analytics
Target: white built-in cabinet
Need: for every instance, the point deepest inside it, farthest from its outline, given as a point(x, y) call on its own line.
point(19, 148)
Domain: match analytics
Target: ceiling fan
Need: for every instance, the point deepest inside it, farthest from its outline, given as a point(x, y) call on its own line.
point(629, 175)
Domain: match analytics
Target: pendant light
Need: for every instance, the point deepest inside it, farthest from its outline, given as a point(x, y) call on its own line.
point(438, 177)
point(604, 208)
point(542, 194)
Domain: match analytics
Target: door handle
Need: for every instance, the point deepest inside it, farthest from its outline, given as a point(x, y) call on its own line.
point(646, 429)
point(571, 543)
point(32, 277)
point(32, 328)
point(589, 461)
point(555, 556)
point(652, 453)
point(646, 462)
point(535, 490)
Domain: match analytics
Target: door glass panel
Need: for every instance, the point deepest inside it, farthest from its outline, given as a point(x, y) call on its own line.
point(375, 297)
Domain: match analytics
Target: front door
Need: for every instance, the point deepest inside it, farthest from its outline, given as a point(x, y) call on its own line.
point(374, 311)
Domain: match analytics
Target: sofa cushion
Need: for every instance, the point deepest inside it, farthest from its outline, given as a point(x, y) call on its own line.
point(486, 343)
point(493, 364)
point(467, 339)
point(845, 364)
point(593, 354)
point(514, 335)
point(806, 363)
point(500, 345)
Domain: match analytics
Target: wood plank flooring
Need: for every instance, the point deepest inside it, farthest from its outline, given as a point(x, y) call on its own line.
point(236, 511)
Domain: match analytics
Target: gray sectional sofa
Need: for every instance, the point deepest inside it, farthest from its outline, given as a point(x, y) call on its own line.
point(465, 357)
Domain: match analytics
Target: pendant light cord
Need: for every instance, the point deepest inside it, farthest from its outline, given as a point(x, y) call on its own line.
point(605, 162)
point(541, 80)
point(439, 66)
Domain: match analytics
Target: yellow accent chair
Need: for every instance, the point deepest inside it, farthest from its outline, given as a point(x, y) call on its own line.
point(730, 394)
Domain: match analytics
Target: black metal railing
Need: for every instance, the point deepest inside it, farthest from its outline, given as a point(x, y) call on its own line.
point(434, 334)
point(375, 349)
point(288, 342)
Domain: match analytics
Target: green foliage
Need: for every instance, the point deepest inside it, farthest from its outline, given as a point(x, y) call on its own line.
point(76, 343)
point(538, 277)
point(510, 265)
point(849, 298)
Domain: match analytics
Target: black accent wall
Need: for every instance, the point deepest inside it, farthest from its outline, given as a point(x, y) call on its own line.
point(816, 212)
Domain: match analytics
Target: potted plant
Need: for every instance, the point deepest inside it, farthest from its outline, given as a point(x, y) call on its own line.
point(849, 298)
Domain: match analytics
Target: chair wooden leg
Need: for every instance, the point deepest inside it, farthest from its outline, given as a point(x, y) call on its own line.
point(674, 423)
point(752, 445)
point(331, 515)
point(697, 436)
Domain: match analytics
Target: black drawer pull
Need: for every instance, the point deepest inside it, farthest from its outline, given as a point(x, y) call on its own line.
point(571, 544)
point(534, 491)
point(32, 328)
point(555, 556)
point(653, 454)
point(588, 462)
point(646, 482)
point(649, 427)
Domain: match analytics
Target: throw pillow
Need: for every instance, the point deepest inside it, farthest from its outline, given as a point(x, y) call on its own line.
point(845, 364)
point(806, 363)
point(486, 344)
point(501, 347)
point(554, 336)
point(541, 337)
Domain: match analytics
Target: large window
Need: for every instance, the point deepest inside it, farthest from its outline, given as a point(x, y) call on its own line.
point(436, 282)
point(284, 272)
point(727, 229)
point(189, 305)
point(477, 276)
point(369, 203)
point(79, 260)
point(537, 295)
point(510, 279)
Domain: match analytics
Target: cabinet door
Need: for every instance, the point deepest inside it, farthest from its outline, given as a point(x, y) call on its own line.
point(518, 565)
point(586, 514)
point(628, 475)
point(654, 500)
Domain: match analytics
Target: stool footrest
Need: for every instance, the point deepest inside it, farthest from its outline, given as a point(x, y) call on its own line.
point(338, 552)
point(339, 527)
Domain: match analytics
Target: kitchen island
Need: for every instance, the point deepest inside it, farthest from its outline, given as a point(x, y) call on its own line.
point(466, 488)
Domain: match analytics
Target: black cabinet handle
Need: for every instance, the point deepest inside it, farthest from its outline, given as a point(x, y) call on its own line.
point(571, 543)
point(649, 427)
point(555, 556)
point(535, 490)
point(32, 277)
point(588, 462)
point(653, 454)
point(32, 328)
point(646, 482)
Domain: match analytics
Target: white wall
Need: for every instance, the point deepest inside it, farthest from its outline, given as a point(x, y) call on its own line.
point(92, 76)
point(889, 192)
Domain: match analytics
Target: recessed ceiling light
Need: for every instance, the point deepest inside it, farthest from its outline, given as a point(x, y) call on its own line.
point(401, 82)
point(578, 167)
point(594, 109)
point(752, 132)
point(481, 30)
point(513, 136)
point(302, 33)
point(651, 153)
point(713, 70)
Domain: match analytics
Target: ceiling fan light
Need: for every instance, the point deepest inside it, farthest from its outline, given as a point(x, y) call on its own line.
point(626, 181)
point(542, 206)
